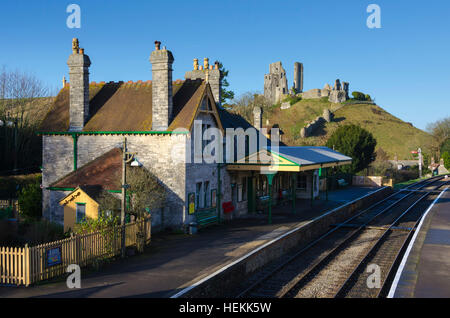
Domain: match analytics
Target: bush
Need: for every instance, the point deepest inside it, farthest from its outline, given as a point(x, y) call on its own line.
point(30, 200)
point(102, 224)
point(292, 99)
point(361, 96)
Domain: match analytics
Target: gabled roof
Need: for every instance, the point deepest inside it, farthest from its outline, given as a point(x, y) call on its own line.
point(125, 106)
point(184, 117)
point(94, 192)
point(105, 171)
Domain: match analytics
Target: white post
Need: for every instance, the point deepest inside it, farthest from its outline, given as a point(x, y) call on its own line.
point(420, 162)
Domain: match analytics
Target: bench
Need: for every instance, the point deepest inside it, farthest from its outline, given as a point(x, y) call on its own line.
point(206, 217)
point(342, 183)
point(286, 196)
point(262, 203)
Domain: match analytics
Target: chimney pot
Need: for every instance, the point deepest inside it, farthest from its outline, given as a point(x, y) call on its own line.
point(157, 45)
point(195, 64)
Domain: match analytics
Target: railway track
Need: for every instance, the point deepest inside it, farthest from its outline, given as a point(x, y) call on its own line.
point(334, 264)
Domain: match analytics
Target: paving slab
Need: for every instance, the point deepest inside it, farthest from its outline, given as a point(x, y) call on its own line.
point(426, 271)
point(174, 261)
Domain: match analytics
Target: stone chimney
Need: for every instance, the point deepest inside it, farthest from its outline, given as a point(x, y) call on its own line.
point(257, 117)
point(210, 74)
point(162, 98)
point(78, 64)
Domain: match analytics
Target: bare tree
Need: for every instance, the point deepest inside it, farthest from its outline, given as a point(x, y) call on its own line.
point(440, 130)
point(23, 103)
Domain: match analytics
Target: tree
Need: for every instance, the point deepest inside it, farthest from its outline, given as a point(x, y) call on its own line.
point(225, 94)
point(440, 130)
point(146, 191)
point(23, 103)
point(355, 142)
point(446, 146)
point(245, 103)
point(446, 157)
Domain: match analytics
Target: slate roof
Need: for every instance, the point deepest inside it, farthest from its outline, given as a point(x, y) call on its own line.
point(105, 171)
point(310, 155)
point(119, 106)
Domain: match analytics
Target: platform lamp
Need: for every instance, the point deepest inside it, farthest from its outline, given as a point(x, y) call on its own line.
point(127, 157)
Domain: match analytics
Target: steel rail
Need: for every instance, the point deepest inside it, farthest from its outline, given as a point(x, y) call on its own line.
point(384, 288)
point(295, 256)
point(342, 290)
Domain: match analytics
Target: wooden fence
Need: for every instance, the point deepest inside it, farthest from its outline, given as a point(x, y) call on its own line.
point(28, 265)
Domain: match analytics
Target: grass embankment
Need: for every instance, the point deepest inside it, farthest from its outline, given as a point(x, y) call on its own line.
point(393, 135)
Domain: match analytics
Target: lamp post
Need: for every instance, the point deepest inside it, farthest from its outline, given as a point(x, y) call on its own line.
point(127, 157)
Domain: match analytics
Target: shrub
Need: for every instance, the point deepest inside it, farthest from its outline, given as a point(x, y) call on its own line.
point(358, 96)
point(30, 200)
point(102, 224)
point(292, 99)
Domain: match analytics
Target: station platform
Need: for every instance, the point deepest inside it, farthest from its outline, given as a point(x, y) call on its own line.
point(173, 262)
point(424, 271)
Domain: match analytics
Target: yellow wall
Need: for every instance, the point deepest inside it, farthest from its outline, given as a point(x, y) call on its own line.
point(70, 207)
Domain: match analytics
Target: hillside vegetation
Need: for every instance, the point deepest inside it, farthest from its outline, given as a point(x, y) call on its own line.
point(393, 135)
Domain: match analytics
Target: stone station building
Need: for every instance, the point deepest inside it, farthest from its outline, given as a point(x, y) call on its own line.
point(84, 130)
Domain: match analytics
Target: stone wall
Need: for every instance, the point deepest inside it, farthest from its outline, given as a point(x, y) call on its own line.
point(154, 152)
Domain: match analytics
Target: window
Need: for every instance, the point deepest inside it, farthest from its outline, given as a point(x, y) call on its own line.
point(198, 190)
point(301, 182)
point(207, 195)
point(81, 212)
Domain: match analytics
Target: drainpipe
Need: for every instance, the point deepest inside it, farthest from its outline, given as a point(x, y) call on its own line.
point(75, 151)
point(270, 179)
point(219, 193)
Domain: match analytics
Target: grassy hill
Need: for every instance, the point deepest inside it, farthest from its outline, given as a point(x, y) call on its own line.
point(393, 135)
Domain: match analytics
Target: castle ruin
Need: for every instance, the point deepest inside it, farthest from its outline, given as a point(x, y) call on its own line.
point(276, 85)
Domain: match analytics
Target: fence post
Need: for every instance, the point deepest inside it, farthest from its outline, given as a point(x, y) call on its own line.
point(27, 262)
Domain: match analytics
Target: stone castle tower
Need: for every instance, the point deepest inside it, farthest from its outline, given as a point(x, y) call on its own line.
point(276, 85)
point(298, 77)
point(78, 63)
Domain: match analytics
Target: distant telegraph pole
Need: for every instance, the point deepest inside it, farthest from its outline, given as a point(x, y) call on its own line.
point(419, 151)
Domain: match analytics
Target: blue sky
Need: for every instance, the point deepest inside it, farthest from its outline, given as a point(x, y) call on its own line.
point(405, 65)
